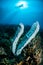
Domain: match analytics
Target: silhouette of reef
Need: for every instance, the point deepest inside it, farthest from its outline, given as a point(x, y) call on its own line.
point(32, 54)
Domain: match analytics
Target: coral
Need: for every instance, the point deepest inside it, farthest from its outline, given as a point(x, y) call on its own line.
point(32, 50)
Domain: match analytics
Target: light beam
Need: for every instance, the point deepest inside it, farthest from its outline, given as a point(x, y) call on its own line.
point(22, 4)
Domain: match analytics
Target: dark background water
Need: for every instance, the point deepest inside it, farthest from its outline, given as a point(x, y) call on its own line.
point(10, 14)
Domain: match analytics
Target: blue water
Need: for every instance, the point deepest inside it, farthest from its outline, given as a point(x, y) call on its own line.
point(9, 14)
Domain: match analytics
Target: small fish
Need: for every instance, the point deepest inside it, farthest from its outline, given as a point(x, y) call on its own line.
point(21, 5)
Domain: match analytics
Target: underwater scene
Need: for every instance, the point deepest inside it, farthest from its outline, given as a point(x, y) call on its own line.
point(21, 32)
point(32, 53)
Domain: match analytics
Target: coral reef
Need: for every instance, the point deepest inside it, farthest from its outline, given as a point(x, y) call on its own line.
point(30, 55)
